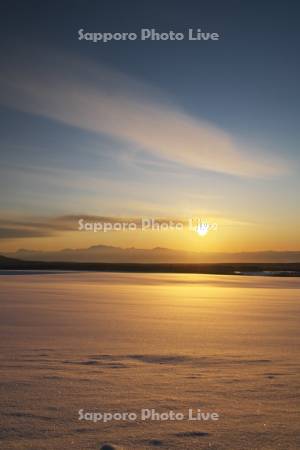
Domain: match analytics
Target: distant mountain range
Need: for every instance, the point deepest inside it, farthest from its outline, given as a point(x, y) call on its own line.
point(110, 254)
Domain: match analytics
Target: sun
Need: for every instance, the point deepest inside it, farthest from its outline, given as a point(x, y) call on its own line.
point(202, 229)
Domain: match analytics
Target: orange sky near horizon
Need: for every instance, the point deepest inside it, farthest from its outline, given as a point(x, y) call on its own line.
point(226, 238)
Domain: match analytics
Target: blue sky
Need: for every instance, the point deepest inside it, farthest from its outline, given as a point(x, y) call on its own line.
point(213, 123)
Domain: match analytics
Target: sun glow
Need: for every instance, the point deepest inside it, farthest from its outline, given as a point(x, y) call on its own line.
point(202, 229)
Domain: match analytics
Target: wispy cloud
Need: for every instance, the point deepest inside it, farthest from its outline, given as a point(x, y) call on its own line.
point(13, 227)
point(82, 94)
point(15, 233)
point(33, 227)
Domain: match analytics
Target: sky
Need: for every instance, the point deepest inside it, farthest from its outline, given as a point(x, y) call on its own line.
point(121, 130)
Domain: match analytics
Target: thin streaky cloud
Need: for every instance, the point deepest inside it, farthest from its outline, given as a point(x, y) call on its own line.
point(101, 100)
point(12, 227)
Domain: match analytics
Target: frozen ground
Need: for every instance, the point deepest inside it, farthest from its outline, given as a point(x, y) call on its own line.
point(122, 342)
